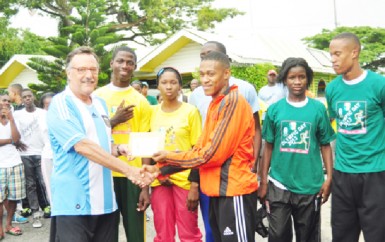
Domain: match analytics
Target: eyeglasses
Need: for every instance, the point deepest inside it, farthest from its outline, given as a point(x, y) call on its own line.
point(83, 70)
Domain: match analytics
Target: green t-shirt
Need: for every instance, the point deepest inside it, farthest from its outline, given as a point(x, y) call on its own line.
point(152, 100)
point(296, 134)
point(359, 111)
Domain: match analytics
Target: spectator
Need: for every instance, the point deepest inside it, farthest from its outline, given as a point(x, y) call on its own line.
point(137, 85)
point(12, 182)
point(151, 99)
point(194, 83)
point(14, 92)
point(46, 154)
point(296, 129)
point(356, 99)
point(273, 91)
point(29, 119)
point(129, 112)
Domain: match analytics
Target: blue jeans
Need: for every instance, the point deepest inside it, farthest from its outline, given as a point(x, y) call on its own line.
point(35, 187)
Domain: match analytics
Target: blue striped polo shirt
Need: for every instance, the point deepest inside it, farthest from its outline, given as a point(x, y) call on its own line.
point(79, 186)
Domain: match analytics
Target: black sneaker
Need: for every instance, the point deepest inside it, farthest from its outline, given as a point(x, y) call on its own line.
point(26, 212)
point(47, 212)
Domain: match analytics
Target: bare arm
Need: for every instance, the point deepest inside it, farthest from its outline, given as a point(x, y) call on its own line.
point(265, 166)
point(327, 157)
point(15, 135)
point(144, 196)
point(14, 132)
point(257, 142)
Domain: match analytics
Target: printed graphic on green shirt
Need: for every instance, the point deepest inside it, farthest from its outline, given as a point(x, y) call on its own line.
point(351, 117)
point(295, 137)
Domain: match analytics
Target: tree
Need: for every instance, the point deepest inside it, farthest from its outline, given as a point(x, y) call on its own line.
point(372, 40)
point(143, 21)
point(100, 23)
point(88, 28)
point(16, 41)
point(254, 74)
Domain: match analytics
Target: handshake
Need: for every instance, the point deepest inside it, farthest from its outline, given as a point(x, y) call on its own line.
point(145, 175)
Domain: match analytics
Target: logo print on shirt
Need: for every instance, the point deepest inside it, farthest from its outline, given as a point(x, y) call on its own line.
point(351, 117)
point(227, 231)
point(295, 136)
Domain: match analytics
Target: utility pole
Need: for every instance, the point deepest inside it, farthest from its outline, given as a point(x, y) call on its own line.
point(335, 14)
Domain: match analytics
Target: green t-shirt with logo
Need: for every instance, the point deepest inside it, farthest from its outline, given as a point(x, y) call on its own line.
point(359, 110)
point(296, 134)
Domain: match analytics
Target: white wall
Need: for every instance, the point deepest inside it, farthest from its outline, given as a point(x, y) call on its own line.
point(25, 77)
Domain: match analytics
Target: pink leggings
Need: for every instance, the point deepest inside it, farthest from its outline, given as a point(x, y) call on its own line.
point(169, 206)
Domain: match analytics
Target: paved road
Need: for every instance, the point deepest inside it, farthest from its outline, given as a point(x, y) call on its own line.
point(42, 234)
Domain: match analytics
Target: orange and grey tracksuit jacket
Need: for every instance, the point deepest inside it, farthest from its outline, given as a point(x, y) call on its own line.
point(224, 152)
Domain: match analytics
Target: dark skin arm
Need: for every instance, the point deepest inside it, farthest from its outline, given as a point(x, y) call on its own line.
point(327, 157)
point(193, 197)
point(144, 196)
point(257, 142)
point(265, 166)
point(15, 135)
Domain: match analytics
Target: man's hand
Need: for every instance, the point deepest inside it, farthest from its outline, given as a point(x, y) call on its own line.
point(193, 197)
point(262, 191)
point(8, 113)
point(123, 114)
point(152, 169)
point(125, 151)
point(325, 191)
point(140, 177)
point(160, 156)
point(20, 146)
point(144, 199)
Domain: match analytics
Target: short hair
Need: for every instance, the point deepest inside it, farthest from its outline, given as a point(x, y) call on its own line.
point(218, 56)
point(293, 62)
point(169, 69)
point(16, 87)
point(124, 49)
point(79, 51)
point(349, 36)
point(26, 90)
point(136, 82)
point(45, 96)
point(220, 47)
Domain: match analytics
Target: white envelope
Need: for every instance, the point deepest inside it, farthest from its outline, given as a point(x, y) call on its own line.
point(145, 144)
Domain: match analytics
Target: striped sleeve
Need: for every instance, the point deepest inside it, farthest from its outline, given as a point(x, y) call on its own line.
point(224, 138)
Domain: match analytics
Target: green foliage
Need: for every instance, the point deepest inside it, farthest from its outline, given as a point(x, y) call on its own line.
point(144, 21)
point(372, 40)
point(16, 41)
point(99, 23)
point(88, 29)
point(255, 74)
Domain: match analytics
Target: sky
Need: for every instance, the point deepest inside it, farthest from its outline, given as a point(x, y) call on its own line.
point(293, 19)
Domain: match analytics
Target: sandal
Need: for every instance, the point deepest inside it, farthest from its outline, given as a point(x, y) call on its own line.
point(16, 231)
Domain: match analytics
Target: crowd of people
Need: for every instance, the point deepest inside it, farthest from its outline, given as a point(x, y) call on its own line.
point(72, 152)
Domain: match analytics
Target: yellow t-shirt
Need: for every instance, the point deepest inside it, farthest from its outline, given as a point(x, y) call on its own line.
point(139, 123)
point(182, 128)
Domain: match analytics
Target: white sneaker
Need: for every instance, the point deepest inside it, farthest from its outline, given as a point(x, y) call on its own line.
point(36, 221)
